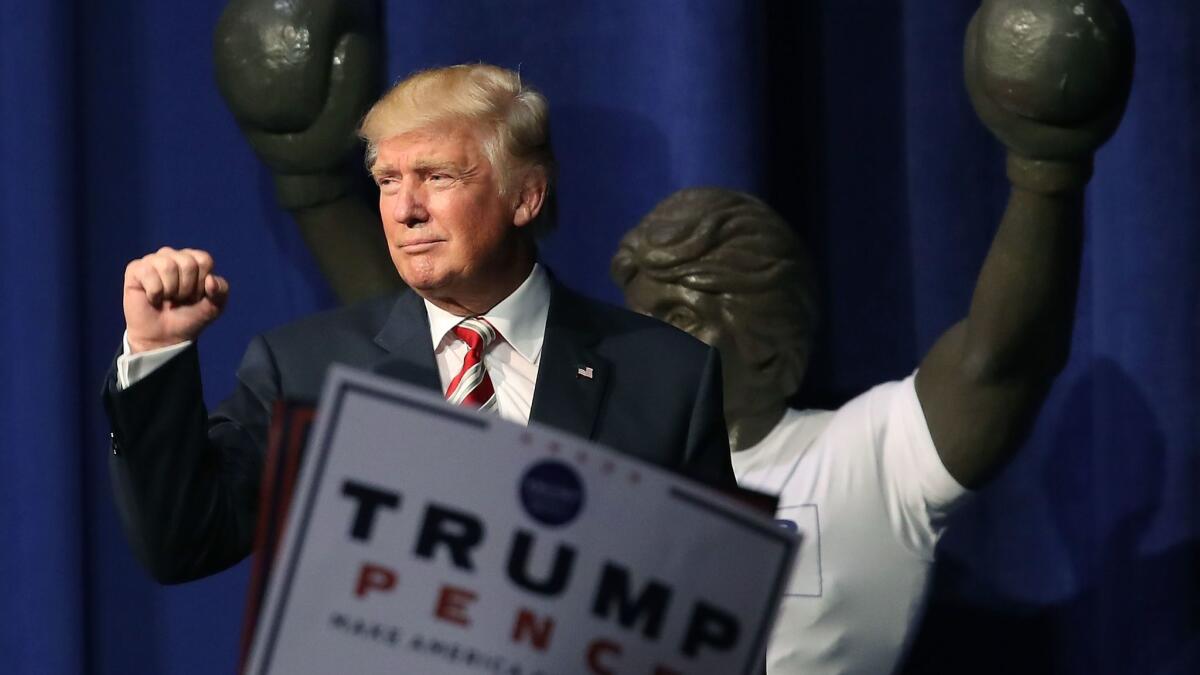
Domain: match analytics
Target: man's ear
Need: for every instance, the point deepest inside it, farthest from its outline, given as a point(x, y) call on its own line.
point(531, 197)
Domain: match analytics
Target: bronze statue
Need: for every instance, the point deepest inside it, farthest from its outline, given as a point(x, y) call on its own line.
point(299, 76)
point(1050, 80)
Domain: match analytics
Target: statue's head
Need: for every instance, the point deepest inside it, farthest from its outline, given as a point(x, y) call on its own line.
point(724, 267)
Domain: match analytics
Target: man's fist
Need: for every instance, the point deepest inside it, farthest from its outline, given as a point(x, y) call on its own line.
point(171, 296)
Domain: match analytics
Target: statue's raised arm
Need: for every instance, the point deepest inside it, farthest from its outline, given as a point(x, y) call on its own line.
point(1050, 79)
point(299, 76)
point(864, 481)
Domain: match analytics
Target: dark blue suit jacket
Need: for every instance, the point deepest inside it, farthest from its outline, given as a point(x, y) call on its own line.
point(187, 482)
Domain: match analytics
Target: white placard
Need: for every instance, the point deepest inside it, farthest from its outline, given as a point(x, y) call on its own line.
point(430, 539)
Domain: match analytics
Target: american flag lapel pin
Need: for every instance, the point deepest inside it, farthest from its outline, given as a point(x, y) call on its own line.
point(585, 371)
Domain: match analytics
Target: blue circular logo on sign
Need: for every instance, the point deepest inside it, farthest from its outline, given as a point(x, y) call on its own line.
point(552, 493)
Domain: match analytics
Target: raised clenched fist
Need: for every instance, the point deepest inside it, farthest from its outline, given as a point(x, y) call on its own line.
point(171, 296)
point(1050, 78)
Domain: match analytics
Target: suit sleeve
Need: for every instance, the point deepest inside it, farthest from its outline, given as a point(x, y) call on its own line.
point(707, 455)
point(186, 483)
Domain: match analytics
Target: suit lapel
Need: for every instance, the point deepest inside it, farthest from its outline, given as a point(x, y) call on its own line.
point(572, 377)
point(405, 335)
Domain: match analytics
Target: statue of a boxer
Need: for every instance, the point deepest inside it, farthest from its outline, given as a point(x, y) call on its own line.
point(871, 484)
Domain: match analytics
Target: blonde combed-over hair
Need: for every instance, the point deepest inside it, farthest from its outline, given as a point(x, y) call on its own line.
point(513, 120)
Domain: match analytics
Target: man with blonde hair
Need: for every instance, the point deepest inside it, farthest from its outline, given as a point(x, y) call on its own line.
point(465, 170)
point(514, 119)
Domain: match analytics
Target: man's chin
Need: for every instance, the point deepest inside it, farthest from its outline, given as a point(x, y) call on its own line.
point(423, 283)
point(436, 291)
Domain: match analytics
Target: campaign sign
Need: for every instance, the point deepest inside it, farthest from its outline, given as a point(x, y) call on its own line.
point(429, 539)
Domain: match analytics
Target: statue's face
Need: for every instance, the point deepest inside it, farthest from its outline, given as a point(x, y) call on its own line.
point(708, 317)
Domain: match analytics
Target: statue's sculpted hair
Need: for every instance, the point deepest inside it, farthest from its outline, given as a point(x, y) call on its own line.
point(729, 243)
point(513, 121)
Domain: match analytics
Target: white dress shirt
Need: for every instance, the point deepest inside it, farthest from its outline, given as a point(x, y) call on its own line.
point(511, 361)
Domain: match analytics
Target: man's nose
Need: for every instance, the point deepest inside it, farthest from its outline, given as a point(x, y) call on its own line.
point(409, 207)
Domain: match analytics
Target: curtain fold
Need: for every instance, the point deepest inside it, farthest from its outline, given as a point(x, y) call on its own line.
point(41, 506)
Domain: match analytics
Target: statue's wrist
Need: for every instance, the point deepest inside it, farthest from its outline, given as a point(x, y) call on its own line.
point(1049, 176)
point(303, 191)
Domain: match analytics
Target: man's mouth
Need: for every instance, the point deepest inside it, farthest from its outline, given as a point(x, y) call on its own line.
point(419, 245)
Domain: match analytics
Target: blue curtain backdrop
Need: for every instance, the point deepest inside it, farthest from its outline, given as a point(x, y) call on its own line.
point(849, 117)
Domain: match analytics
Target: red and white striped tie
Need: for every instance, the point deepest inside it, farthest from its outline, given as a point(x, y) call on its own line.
point(472, 387)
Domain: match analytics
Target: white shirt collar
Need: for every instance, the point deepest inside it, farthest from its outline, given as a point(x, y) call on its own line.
point(520, 318)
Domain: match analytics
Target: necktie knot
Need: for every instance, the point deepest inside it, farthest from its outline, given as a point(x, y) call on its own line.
point(472, 387)
point(476, 332)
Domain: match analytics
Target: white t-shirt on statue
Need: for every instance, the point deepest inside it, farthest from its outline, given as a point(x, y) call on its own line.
point(866, 489)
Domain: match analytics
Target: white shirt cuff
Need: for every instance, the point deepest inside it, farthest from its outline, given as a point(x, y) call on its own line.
point(132, 368)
